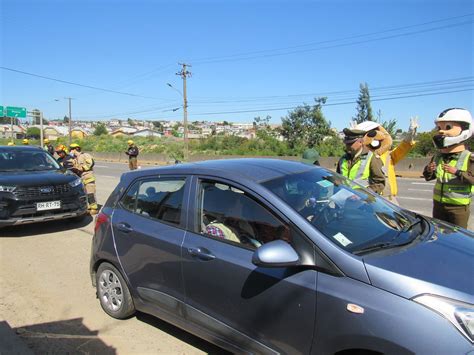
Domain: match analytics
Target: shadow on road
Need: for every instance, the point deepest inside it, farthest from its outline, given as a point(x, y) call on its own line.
point(180, 334)
point(65, 337)
point(29, 230)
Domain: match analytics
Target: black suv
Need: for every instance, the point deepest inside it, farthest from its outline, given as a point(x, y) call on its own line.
point(35, 188)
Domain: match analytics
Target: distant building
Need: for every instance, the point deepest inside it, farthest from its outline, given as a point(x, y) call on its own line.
point(6, 131)
point(146, 133)
point(54, 132)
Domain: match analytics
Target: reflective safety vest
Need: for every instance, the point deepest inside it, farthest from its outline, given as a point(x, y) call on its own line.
point(360, 171)
point(449, 188)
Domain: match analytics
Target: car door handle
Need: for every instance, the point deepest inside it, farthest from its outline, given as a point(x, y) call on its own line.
point(201, 253)
point(124, 227)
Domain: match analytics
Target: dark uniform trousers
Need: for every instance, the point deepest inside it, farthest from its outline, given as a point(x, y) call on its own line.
point(454, 214)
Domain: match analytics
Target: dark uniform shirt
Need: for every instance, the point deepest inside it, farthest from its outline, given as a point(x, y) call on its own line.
point(67, 162)
point(132, 151)
point(50, 149)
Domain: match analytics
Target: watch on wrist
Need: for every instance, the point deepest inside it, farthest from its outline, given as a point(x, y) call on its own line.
point(458, 173)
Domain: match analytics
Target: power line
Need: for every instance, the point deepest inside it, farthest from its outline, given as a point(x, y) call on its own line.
point(341, 102)
point(231, 59)
point(337, 39)
point(77, 84)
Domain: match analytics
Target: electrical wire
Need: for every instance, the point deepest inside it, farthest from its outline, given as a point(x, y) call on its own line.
point(77, 84)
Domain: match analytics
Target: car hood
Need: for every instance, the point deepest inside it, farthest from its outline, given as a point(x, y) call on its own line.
point(35, 178)
point(441, 263)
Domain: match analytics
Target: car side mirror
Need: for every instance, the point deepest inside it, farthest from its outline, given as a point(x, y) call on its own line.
point(277, 253)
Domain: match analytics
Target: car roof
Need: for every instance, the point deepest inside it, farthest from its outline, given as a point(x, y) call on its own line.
point(253, 169)
point(19, 148)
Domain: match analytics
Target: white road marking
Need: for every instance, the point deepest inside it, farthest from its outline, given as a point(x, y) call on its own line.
point(415, 198)
point(109, 176)
point(420, 190)
point(422, 183)
point(100, 166)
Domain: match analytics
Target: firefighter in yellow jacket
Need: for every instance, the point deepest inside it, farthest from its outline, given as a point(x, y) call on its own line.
point(452, 167)
point(83, 166)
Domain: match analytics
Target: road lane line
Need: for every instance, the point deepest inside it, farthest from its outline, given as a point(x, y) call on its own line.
point(420, 190)
point(422, 183)
point(415, 198)
point(109, 176)
point(100, 166)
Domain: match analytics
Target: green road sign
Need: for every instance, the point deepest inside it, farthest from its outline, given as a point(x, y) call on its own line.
point(1, 111)
point(18, 112)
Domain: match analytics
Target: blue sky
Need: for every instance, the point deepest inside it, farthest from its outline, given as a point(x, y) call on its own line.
point(259, 57)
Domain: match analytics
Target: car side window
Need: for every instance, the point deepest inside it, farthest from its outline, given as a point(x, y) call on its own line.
point(129, 200)
point(161, 199)
point(228, 213)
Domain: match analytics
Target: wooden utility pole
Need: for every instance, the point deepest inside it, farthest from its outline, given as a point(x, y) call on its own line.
point(70, 120)
point(183, 74)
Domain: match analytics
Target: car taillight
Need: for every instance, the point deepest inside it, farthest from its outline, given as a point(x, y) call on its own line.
point(100, 219)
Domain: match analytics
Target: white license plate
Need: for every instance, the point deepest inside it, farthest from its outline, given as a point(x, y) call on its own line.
point(51, 205)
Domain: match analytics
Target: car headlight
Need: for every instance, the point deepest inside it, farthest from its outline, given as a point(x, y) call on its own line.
point(460, 314)
point(5, 188)
point(75, 182)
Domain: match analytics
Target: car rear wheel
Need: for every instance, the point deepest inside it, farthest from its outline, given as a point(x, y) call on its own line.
point(113, 292)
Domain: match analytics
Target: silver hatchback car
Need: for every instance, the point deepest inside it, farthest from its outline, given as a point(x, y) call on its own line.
point(271, 256)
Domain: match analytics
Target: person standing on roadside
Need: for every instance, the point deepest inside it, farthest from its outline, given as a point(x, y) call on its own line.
point(132, 153)
point(48, 147)
point(452, 167)
point(83, 165)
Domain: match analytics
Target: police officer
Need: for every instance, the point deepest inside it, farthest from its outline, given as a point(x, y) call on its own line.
point(359, 164)
point(83, 165)
point(64, 158)
point(452, 167)
point(132, 153)
point(48, 146)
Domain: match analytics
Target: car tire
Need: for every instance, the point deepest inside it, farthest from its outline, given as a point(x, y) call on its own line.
point(113, 292)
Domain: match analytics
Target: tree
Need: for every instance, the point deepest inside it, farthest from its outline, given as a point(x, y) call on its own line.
point(33, 132)
point(100, 129)
point(424, 144)
point(66, 119)
point(306, 125)
point(364, 109)
point(130, 122)
point(158, 125)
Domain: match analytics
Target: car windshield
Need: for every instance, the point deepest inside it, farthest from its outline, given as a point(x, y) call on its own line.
point(26, 160)
point(349, 215)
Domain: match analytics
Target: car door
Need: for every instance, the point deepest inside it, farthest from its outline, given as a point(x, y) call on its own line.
point(148, 231)
point(261, 309)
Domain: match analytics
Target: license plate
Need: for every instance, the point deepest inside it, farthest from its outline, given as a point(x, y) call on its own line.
point(51, 205)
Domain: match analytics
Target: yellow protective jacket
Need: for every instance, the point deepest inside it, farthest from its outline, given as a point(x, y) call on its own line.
point(391, 158)
point(84, 164)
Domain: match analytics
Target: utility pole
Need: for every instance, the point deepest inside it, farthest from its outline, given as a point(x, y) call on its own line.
point(41, 129)
point(70, 120)
point(183, 74)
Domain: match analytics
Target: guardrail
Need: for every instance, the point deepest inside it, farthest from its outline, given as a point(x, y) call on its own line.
point(409, 167)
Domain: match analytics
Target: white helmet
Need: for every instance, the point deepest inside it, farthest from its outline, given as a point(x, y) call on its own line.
point(454, 115)
point(365, 126)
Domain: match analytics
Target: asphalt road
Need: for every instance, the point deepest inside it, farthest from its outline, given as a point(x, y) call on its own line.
point(47, 298)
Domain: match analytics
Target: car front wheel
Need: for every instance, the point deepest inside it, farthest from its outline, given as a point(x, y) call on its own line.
point(113, 292)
